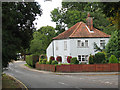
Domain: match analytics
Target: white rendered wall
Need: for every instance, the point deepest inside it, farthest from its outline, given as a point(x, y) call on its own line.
point(49, 50)
point(75, 50)
point(61, 52)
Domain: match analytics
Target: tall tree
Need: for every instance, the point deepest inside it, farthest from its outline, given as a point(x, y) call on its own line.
point(42, 39)
point(17, 27)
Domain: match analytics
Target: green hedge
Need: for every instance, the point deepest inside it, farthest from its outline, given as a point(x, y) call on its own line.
point(31, 60)
point(113, 59)
point(44, 61)
point(74, 61)
point(54, 62)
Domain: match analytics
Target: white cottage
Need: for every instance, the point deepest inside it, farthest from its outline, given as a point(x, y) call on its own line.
point(78, 41)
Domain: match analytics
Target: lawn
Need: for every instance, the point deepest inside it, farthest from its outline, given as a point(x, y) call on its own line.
point(8, 82)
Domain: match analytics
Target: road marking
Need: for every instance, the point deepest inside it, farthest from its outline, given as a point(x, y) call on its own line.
point(62, 83)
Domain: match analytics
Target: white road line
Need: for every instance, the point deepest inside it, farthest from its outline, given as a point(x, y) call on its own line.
point(62, 83)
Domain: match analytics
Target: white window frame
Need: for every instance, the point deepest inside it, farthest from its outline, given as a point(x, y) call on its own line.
point(82, 44)
point(81, 57)
point(102, 43)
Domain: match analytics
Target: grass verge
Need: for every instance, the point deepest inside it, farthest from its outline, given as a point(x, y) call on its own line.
point(28, 65)
point(8, 82)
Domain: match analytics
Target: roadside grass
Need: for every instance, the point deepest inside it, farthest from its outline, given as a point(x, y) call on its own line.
point(28, 65)
point(8, 82)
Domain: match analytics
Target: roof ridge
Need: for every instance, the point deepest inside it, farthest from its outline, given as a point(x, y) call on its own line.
point(76, 29)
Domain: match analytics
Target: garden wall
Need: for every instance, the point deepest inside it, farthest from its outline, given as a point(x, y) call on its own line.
point(80, 67)
point(45, 67)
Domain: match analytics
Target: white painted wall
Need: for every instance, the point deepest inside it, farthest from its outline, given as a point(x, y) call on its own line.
point(75, 50)
point(72, 49)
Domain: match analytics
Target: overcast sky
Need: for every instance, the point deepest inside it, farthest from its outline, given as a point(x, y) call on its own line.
point(47, 7)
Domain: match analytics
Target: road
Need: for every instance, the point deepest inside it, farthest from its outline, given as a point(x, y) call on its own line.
point(42, 79)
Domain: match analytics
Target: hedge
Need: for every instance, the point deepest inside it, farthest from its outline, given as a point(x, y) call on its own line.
point(32, 59)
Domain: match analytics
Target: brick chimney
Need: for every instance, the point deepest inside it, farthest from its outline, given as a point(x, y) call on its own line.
point(89, 22)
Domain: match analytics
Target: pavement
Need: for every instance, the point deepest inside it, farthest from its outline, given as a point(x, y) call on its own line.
point(33, 78)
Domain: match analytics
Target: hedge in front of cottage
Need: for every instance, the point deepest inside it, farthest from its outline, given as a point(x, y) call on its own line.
point(113, 59)
point(91, 59)
point(68, 59)
point(54, 62)
point(32, 59)
point(51, 59)
point(99, 57)
point(74, 61)
point(59, 58)
point(44, 61)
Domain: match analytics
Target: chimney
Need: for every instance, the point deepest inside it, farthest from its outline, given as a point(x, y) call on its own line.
point(89, 22)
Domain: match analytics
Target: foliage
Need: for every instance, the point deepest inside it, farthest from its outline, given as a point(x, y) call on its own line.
point(113, 46)
point(54, 62)
point(52, 58)
point(44, 61)
point(99, 57)
point(91, 59)
point(47, 62)
point(74, 61)
point(68, 59)
point(59, 58)
point(73, 12)
point(113, 59)
point(17, 27)
point(31, 60)
point(41, 39)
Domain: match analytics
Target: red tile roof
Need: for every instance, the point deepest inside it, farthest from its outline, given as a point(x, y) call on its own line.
point(80, 30)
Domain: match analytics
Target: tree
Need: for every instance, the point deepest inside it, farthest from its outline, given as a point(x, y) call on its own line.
point(112, 48)
point(112, 10)
point(73, 12)
point(17, 27)
point(42, 39)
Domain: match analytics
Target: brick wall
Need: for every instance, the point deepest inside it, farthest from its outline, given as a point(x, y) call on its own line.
point(80, 67)
point(45, 67)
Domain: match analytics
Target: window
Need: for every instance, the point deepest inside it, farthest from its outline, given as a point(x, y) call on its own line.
point(86, 43)
point(79, 41)
point(82, 44)
point(65, 45)
point(56, 45)
point(102, 43)
point(83, 58)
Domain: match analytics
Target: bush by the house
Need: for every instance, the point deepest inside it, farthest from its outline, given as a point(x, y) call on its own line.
point(44, 61)
point(32, 59)
point(74, 60)
point(59, 58)
point(51, 59)
point(68, 59)
point(47, 62)
point(113, 59)
point(91, 59)
point(99, 57)
point(54, 62)
point(40, 61)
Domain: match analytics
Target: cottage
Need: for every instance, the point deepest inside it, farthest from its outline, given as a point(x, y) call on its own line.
point(78, 41)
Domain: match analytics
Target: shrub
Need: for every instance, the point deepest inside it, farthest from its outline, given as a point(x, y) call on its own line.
point(113, 59)
point(74, 60)
point(51, 59)
point(59, 58)
point(44, 61)
point(99, 57)
point(32, 59)
point(68, 59)
point(91, 59)
point(47, 62)
point(54, 62)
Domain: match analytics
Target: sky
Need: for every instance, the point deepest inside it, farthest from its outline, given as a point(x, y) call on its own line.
point(47, 7)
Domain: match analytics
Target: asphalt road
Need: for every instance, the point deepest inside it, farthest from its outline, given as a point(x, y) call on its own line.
point(40, 79)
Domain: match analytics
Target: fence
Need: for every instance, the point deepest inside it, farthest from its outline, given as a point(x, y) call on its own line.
point(80, 67)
